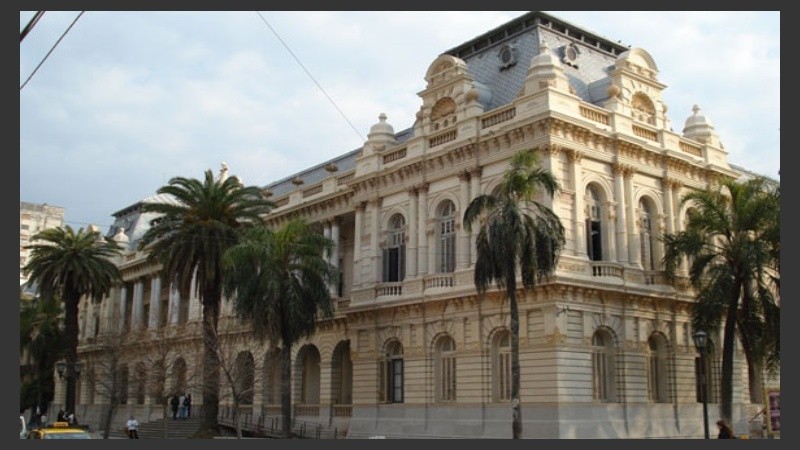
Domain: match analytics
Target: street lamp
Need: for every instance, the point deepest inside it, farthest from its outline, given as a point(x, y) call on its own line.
point(700, 342)
point(72, 377)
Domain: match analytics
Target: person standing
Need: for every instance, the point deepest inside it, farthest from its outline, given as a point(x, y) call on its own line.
point(174, 404)
point(182, 406)
point(725, 431)
point(188, 405)
point(132, 425)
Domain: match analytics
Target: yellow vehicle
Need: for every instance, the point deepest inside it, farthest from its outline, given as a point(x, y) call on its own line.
point(59, 430)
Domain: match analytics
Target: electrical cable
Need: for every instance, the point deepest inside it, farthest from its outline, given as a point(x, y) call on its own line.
point(51, 50)
point(310, 76)
point(30, 25)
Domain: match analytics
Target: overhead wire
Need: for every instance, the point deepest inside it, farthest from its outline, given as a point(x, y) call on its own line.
point(30, 25)
point(51, 50)
point(310, 76)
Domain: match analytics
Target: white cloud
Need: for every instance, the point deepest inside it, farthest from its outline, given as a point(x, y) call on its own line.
point(130, 99)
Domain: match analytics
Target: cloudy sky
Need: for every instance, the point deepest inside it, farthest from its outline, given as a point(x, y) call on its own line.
point(128, 100)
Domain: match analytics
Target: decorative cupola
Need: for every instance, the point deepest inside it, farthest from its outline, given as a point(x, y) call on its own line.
point(381, 135)
point(545, 71)
point(699, 128)
point(121, 238)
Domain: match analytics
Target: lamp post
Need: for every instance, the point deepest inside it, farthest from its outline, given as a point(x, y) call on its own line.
point(700, 342)
point(72, 378)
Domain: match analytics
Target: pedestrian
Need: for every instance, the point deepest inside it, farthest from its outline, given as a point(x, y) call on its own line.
point(174, 403)
point(60, 416)
point(132, 426)
point(182, 406)
point(188, 405)
point(725, 431)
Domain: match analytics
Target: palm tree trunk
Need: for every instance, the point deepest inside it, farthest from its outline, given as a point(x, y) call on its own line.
point(729, 336)
point(71, 351)
point(286, 389)
point(211, 303)
point(516, 407)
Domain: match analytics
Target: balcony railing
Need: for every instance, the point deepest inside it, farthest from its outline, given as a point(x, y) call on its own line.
point(440, 280)
point(306, 410)
point(392, 289)
point(607, 269)
point(341, 411)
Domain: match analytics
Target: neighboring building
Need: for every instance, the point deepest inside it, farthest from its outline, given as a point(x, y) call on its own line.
point(33, 218)
point(413, 351)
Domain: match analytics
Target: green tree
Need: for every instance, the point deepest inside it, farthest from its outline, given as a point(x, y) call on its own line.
point(731, 243)
point(40, 339)
point(188, 238)
point(280, 283)
point(70, 265)
point(516, 231)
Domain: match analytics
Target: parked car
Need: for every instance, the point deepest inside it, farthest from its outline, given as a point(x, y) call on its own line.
point(58, 430)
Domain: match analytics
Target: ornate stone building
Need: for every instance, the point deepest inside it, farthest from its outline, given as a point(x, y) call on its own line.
point(33, 218)
point(413, 350)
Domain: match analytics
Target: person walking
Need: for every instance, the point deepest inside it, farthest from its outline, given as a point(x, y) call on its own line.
point(188, 405)
point(174, 402)
point(725, 431)
point(132, 425)
point(182, 406)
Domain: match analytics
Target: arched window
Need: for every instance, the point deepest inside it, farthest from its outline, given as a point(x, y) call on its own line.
point(272, 377)
point(342, 375)
point(501, 366)
point(245, 377)
point(394, 255)
point(445, 369)
point(657, 370)
point(594, 228)
point(646, 236)
point(310, 380)
point(604, 366)
point(124, 375)
point(446, 237)
point(391, 373)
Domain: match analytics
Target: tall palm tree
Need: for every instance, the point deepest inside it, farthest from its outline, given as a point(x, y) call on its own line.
point(730, 241)
point(69, 265)
point(188, 238)
point(515, 232)
point(280, 283)
point(41, 338)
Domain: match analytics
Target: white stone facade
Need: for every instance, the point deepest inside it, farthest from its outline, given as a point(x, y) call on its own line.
point(413, 350)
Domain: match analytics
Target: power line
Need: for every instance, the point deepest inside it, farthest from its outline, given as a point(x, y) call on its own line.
point(51, 50)
point(309, 75)
point(30, 25)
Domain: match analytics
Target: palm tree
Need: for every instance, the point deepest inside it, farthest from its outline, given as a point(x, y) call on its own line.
point(188, 238)
point(516, 231)
point(731, 243)
point(70, 265)
point(280, 283)
point(41, 337)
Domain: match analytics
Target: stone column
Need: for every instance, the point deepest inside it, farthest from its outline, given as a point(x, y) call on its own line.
point(374, 242)
point(619, 195)
point(155, 302)
point(422, 256)
point(462, 255)
point(326, 231)
point(578, 219)
point(123, 306)
point(474, 191)
point(413, 235)
point(137, 321)
point(359, 223)
point(633, 232)
point(334, 224)
point(174, 304)
point(669, 204)
point(195, 308)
